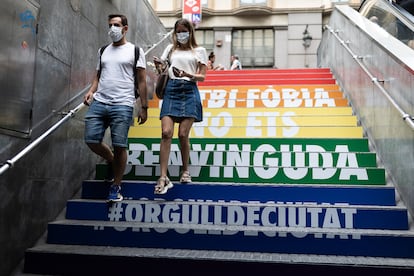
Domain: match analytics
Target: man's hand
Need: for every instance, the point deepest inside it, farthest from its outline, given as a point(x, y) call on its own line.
point(87, 99)
point(142, 116)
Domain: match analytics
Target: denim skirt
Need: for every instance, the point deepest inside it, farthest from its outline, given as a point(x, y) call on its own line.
point(182, 100)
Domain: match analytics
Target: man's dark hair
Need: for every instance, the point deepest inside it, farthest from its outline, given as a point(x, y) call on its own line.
point(124, 20)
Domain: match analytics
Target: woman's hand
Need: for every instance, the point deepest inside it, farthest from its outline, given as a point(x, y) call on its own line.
point(157, 60)
point(159, 64)
point(180, 73)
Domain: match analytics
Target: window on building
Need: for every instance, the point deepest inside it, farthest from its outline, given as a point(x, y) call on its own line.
point(251, 2)
point(205, 38)
point(254, 47)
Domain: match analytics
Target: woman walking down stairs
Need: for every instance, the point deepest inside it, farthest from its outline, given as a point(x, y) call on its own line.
point(283, 178)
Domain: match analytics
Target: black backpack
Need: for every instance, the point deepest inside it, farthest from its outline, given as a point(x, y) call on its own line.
point(135, 71)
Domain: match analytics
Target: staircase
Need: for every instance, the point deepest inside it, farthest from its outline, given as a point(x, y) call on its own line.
point(283, 179)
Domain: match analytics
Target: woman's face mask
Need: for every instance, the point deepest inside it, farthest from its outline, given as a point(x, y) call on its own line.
point(115, 33)
point(183, 37)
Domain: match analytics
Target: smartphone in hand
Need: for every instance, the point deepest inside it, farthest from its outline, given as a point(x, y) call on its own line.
point(177, 72)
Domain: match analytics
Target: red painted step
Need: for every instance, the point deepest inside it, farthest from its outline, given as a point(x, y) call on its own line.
point(273, 75)
point(270, 71)
point(269, 77)
point(263, 81)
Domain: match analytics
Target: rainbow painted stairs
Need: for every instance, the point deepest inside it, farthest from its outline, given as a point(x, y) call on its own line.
point(283, 178)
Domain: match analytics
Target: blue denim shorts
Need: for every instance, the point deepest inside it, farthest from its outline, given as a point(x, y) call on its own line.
point(182, 100)
point(100, 116)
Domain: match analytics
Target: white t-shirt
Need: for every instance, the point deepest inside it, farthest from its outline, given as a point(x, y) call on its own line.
point(116, 83)
point(186, 60)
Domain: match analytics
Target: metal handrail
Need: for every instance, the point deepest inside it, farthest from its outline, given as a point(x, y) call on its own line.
point(10, 163)
point(404, 115)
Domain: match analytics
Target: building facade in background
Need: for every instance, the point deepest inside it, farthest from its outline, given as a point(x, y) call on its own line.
point(263, 33)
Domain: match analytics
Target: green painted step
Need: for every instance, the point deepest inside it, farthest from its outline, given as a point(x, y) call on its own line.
point(146, 152)
point(295, 161)
point(326, 144)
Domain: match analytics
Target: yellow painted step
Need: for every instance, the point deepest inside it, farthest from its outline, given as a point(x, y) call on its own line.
point(203, 131)
point(299, 111)
point(269, 119)
point(266, 103)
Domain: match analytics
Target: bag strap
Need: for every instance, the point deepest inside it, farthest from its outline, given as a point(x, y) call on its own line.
point(169, 55)
point(136, 57)
point(101, 50)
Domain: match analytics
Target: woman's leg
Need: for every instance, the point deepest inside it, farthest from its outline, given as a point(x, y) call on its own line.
point(167, 131)
point(184, 137)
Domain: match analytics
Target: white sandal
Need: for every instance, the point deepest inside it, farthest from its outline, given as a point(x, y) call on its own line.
point(185, 177)
point(163, 184)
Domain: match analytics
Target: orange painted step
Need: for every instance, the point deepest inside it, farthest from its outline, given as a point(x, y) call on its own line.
point(239, 95)
point(270, 92)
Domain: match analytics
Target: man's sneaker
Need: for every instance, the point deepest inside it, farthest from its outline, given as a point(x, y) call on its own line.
point(109, 177)
point(115, 193)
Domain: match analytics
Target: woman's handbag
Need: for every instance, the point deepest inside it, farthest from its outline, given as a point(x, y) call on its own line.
point(162, 81)
point(163, 78)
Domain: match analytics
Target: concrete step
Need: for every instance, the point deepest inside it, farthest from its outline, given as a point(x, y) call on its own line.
point(52, 259)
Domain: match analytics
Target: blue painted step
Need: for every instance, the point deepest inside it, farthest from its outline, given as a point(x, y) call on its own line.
point(289, 214)
point(269, 174)
point(294, 240)
point(354, 195)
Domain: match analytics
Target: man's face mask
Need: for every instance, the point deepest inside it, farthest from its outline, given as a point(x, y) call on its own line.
point(115, 33)
point(183, 37)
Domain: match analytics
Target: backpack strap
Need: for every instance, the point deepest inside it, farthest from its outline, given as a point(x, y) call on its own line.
point(136, 57)
point(100, 61)
point(135, 72)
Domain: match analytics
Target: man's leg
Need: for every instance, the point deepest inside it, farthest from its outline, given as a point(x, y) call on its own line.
point(120, 121)
point(102, 150)
point(119, 164)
